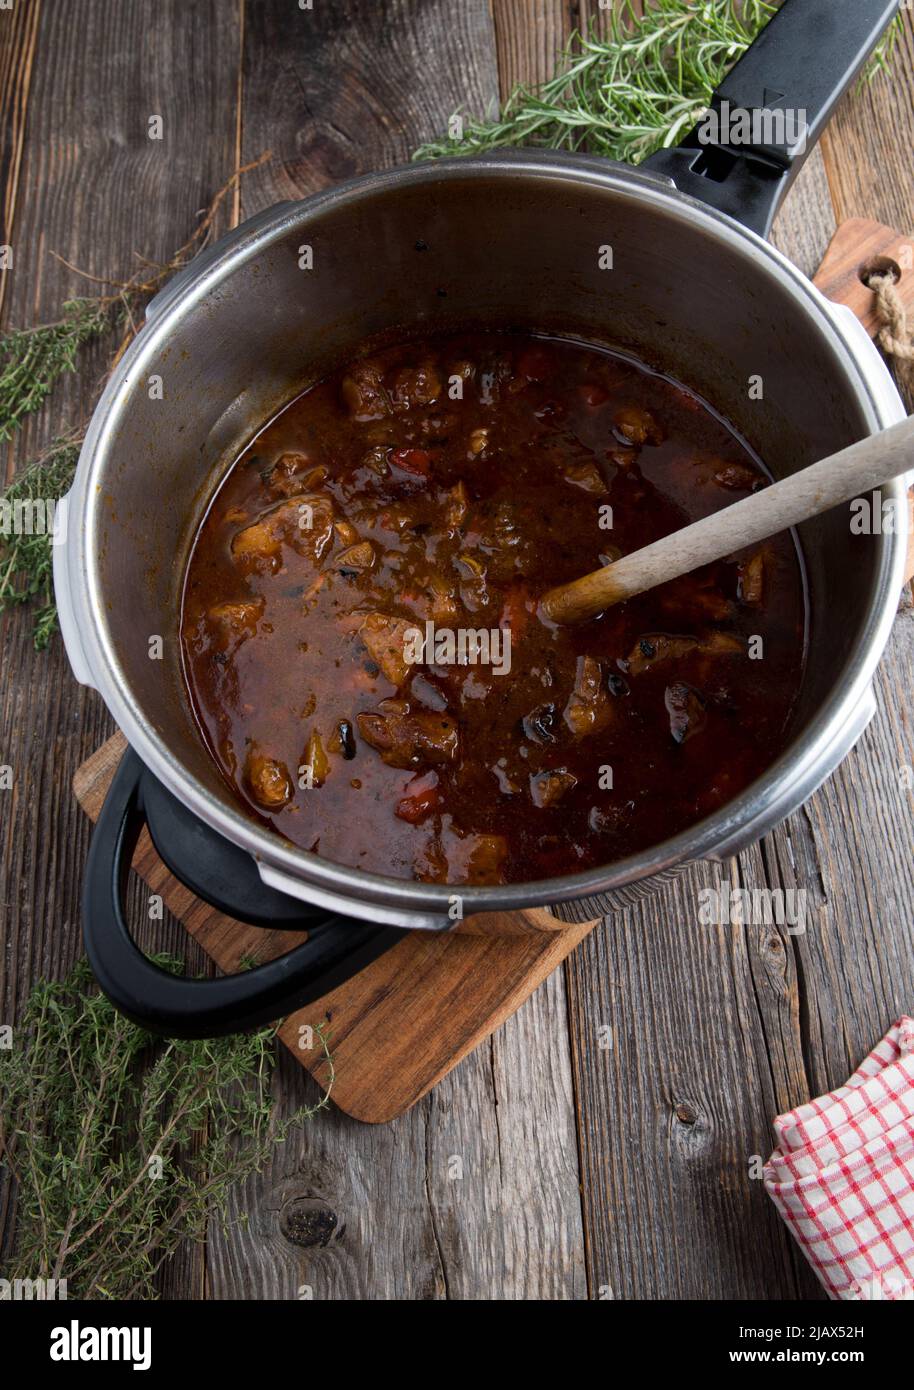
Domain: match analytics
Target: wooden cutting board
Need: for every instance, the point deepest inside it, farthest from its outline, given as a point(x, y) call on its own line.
point(405, 1021)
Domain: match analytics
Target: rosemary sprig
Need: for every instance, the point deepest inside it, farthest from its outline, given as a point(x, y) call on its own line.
point(122, 1146)
point(634, 89)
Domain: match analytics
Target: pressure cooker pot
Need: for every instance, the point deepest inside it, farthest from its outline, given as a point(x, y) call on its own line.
point(668, 262)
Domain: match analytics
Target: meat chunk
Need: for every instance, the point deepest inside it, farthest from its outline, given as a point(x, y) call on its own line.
point(637, 426)
point(437, 600)
point(739, 478)
point(655, 647)
point(269, 781)
point(697, 594)
point(587, 476)
point(238, 619)
point(411, 739)
point(588, 709)
point(364, 393)
point(687, 709)
point(375, 461)
point(457, 504)
point(293, 473)
point(385, 638)
point(458, 857)
point(622, 458)
point(257, 547)
point(485, 858)
point(417, 386)
point(722, 644)
point(355, 559)
point(304, 523)
point(548, 788)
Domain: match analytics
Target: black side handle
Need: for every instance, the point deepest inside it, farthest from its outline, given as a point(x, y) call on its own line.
point(337, 947)
point(788, 84)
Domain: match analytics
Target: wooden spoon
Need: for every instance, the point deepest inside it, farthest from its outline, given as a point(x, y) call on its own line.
point(813, 490)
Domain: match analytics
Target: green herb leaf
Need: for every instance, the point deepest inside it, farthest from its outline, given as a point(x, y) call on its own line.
point(123, 1145)
point(33, 358)
point(628, 92)
point(26, 535)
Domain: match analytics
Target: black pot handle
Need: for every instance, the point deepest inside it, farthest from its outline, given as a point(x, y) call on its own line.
point(337, 947)
point(804, 60)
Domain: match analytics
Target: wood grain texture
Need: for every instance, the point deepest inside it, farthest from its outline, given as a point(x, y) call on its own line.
point(95, 189)
point(346, 88)
point(529, 37)
point(471, 1195)
point(867, 147)
point(858, 246)
point(18, 37)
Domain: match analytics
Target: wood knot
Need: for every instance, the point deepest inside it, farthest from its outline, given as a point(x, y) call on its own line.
point(327, 151)
point(685, 1114)
point(307, 1222)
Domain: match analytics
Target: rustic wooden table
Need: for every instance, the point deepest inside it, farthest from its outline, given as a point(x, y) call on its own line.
point(587, 1171)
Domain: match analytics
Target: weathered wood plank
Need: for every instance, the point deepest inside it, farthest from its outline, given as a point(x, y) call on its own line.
point(18, 36)
point(341, 90)
point(867, 147)
point(473, 1194)
point(675, 1086)
point(529, 36)
point(95, 189)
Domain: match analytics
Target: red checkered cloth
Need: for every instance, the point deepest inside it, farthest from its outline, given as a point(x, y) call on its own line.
point(842, 1176)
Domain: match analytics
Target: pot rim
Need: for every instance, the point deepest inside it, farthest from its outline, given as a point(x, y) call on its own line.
point(799, 769)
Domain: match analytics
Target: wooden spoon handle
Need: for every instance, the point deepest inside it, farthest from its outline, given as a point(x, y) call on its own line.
point(850, 473)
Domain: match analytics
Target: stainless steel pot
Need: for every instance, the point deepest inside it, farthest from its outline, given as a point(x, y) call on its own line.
point(513, 240)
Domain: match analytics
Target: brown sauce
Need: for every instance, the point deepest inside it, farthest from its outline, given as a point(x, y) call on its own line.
point(452, 481)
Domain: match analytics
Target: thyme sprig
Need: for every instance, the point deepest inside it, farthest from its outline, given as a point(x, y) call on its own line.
point(34, 358)
point(627, 91)
point(122, 1146)
point(26, 553)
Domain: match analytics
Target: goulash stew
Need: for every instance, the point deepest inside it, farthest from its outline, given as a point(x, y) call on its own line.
point(360, 631)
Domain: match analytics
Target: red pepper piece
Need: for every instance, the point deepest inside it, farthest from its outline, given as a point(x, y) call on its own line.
point(423, 797)
point(415, 461)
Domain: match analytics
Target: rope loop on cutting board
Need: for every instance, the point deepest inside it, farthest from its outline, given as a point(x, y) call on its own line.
point(894, 335)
